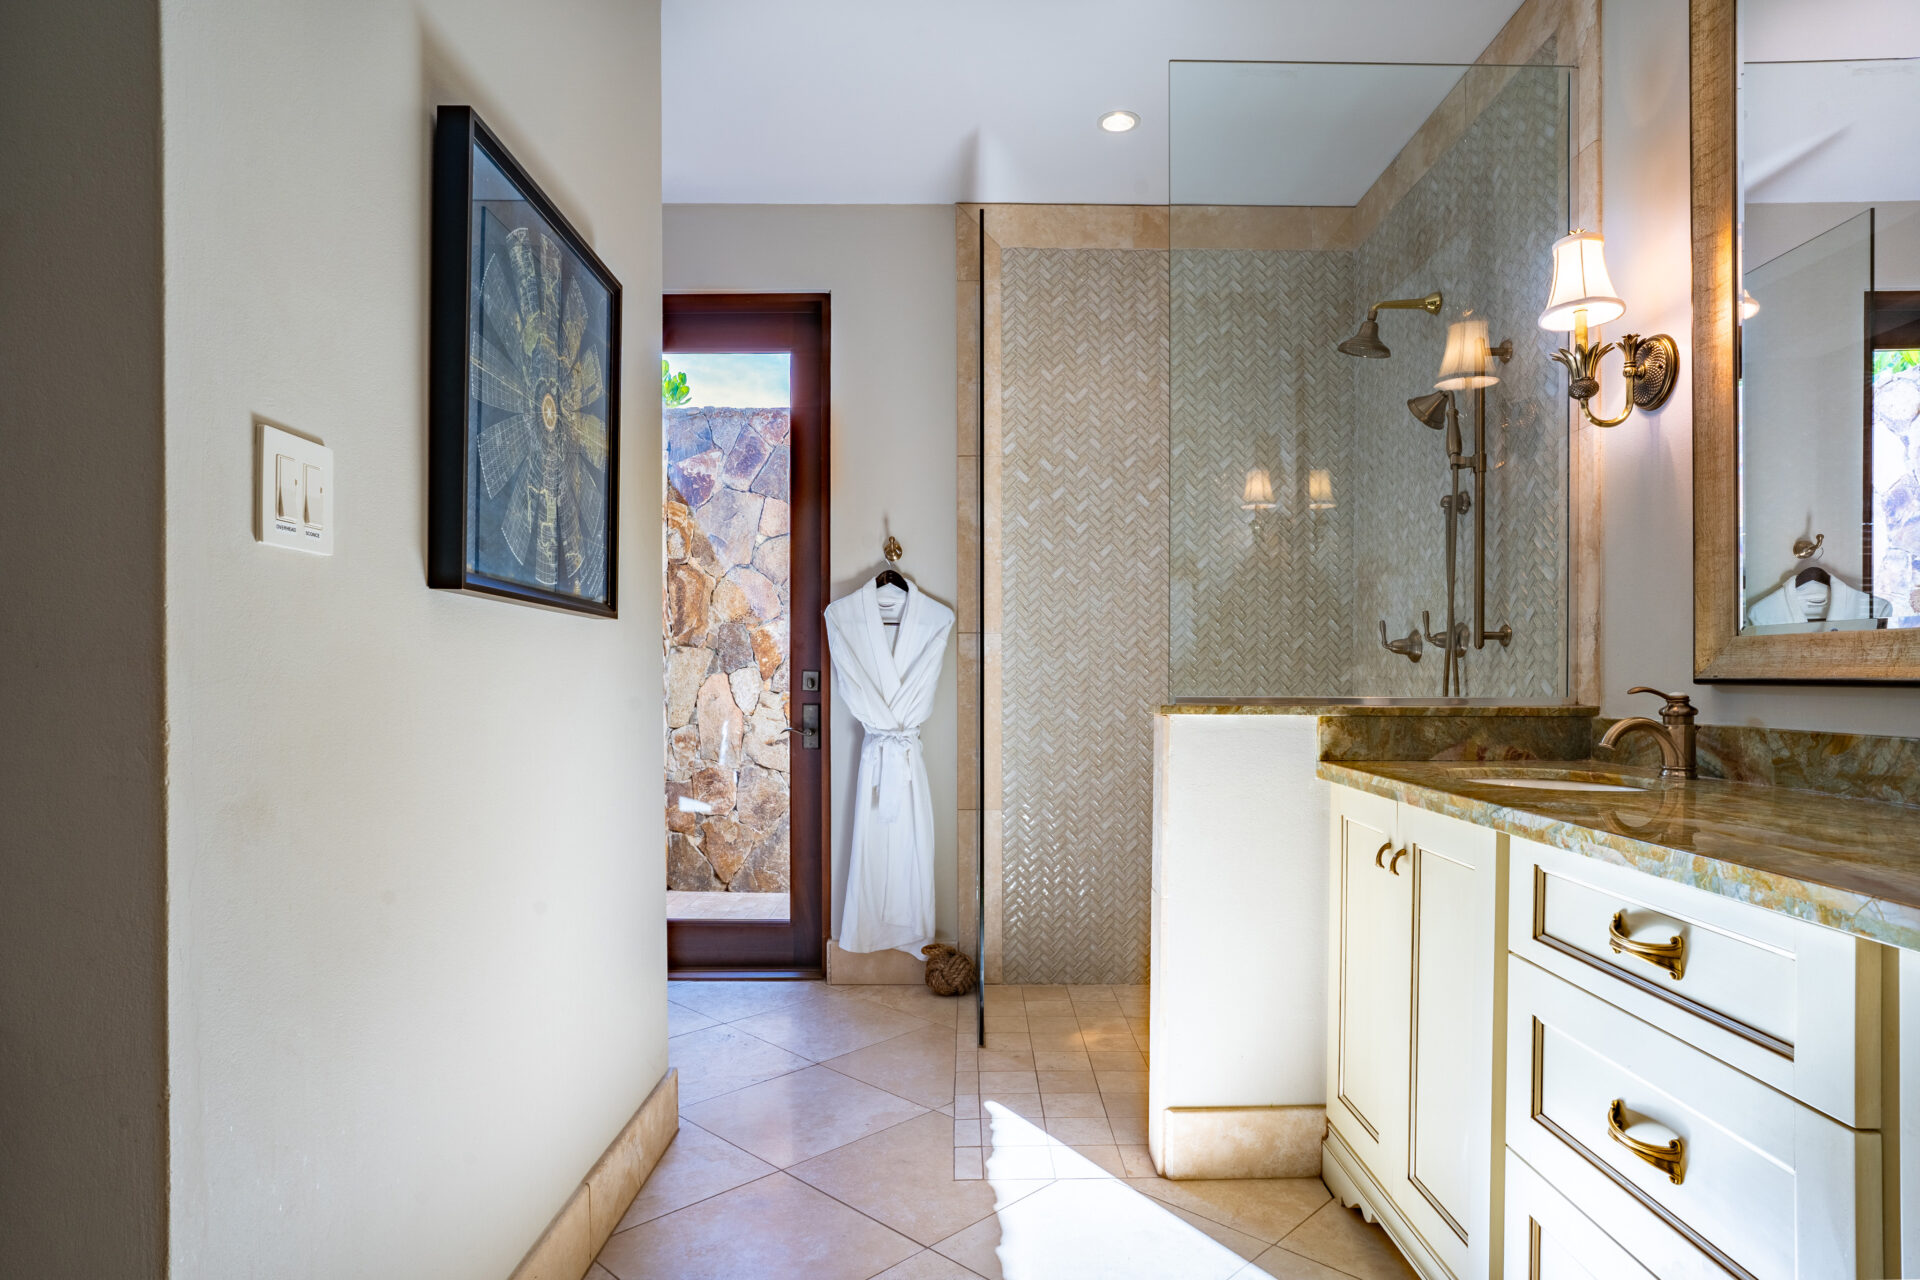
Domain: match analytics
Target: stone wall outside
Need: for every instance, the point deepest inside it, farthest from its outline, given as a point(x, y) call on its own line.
point(726, 624)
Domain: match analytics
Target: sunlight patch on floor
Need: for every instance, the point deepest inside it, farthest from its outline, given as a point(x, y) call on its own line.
point(1089, 1223)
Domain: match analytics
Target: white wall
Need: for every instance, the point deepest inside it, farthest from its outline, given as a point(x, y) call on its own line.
point(82, 937)
point(893, 466)
point(417, 951)
point(1647, 603)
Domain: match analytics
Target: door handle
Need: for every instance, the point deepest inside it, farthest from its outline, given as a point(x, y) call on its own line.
point(1393, 864)
point(1664, 1156)
point(1671, 956)
point(1381, 853)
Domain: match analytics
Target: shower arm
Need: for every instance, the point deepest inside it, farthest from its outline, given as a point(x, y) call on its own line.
point(1429, 304)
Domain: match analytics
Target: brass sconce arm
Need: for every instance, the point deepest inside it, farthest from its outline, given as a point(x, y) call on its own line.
point(1651, 369)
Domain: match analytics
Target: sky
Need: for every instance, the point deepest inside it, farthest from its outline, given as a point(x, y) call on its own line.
point(735, 381)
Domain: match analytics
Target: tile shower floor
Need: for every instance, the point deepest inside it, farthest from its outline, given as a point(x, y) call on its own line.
point(840, 1133)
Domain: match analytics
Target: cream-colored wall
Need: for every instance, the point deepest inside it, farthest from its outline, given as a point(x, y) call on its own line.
point(1647, 607)
point(416, 940)
point(892, 469)
point(82, 1028)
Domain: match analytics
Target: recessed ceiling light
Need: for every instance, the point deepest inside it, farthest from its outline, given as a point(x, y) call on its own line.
point(1118, 121)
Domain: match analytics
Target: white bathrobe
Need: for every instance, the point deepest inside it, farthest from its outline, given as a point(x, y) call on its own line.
point(887, 676)
point(1816, 601)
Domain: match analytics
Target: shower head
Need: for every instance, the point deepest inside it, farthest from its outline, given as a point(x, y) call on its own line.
point(1366, 343)
point(1430, 410)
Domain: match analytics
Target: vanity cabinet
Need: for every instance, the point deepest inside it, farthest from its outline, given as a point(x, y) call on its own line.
point(1543, 1065)
point(1412, 1125)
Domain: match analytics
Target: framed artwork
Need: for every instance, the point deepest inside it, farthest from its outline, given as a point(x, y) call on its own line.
point(523, 386)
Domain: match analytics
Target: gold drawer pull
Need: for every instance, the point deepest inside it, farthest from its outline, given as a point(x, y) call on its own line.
point(1393, 863)
point(1671, 956)
point(1381, 853)
point(1665, 1157)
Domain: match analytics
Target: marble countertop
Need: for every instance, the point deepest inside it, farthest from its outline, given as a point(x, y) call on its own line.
point(1378, 707)
point(1851, 865)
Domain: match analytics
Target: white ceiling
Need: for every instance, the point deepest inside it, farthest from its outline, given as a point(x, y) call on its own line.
point(918, 102)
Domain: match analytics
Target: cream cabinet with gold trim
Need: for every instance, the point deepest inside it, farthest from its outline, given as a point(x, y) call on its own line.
point(1413, 1127)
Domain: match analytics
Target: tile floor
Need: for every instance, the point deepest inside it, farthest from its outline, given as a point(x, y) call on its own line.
point(840, 1133)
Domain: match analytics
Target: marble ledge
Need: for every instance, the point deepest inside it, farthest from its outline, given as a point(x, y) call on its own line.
point(1844, 863)
point(1331, 707)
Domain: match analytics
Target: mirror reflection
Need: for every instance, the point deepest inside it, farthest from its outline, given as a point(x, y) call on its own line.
point(1829, 319)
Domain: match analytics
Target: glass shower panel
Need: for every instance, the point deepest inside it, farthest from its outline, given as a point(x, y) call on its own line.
point(1352, 249)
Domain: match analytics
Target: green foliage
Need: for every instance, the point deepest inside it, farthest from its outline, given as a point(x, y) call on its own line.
point(1895, 361)
point(673, 386)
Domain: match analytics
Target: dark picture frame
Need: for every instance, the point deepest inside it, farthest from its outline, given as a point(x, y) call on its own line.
point(523, 386)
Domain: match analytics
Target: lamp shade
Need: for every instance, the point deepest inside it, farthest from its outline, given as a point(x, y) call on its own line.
point(1581, 283)
point(1320, 489)
point(1468, 361)
point(1258, 493)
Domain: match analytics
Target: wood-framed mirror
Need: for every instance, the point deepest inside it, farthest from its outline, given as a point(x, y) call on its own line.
point(1806, 341)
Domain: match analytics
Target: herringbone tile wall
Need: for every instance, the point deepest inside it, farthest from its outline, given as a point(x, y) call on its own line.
point(1257, 383)
point(1479, 227)
point(1084, 592)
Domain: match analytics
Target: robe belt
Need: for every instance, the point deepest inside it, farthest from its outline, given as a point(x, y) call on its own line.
point(893, 772)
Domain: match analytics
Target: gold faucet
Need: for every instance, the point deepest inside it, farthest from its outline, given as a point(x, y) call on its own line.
point(1675, 733)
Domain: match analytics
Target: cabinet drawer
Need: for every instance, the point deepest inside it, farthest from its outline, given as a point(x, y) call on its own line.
point(1549, 1239)
point(1787, 1002)
point(1766, 1187)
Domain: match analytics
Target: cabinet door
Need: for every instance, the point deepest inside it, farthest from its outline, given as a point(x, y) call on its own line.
point(1451, 1139)
point(1367, 1052)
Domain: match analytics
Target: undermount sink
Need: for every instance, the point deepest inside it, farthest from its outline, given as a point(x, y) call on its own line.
point(1554, 784)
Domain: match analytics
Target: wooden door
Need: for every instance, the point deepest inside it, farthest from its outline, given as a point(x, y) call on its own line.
point(796, 325)
point(1367, 1050)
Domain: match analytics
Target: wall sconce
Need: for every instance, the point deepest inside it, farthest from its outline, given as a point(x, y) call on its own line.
point(1468, 361)
point(1749, 305)
point(1258, 493)
point(1320, 489)
point(1257, 496)
point(1582, 295)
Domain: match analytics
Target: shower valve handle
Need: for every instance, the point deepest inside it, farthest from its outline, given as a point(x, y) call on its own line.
point(1408, 648)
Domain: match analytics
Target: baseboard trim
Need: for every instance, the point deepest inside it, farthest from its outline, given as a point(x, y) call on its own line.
point(567, 1248)
point(1241, 1142)
point(875, 968)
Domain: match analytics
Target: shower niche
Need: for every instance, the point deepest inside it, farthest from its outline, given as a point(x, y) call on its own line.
point(1369, 440)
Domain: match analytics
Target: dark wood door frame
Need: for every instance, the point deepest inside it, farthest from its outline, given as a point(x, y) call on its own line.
point(797, 323)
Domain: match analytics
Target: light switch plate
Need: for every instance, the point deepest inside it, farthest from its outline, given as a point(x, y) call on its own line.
point(295, 508)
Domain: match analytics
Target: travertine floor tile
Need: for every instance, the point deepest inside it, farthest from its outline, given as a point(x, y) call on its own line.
point(966, 1133)
point(1091, 1227)
point(993, 1082)
point(719, 1060)
point(1138, 1162)
point(1092, 1161)
point(1280, 1263)
point(727, 1001)
point(795, 1117)
point(1341, 1239)
point(1061, 1106)
point(682, 1019)
point(1062, 1060)
point(1079, 1131)
point(917, 1066)
point(696, 1165)
point(928, 1265)
point(822, 1029)
point(1265, 1208)
point(1066, 1082)
point(775, 1227)
point(903, 1177)
point(942, 1011)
